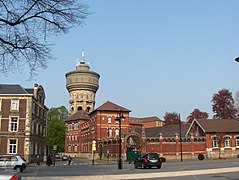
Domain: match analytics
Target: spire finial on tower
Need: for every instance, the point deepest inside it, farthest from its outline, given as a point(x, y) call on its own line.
point(83, 56)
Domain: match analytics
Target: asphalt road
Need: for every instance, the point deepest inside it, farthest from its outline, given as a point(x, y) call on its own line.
point(83, 169)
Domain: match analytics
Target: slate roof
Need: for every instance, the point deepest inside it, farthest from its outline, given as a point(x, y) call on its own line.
point(14, 89)
point(150, 119)
point(79, 115)
point(109, 106)
point(218, 125)
point(167, 131)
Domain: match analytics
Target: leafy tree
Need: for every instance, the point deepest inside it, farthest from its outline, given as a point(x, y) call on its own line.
point(197, 114)
point(171, 118)
point(26, 26)
point(56, 128)
point(223, 105)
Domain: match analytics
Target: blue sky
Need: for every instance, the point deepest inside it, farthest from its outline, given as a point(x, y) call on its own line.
point(153, 56)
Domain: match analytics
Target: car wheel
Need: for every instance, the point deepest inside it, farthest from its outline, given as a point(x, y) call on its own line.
point(159, 167)
point(135, 167)
point(19, 169)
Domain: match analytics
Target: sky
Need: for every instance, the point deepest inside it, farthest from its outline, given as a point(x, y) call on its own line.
point(153, 56)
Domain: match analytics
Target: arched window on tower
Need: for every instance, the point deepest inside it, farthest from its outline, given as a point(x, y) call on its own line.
point(88, 109)
point(79, 108)
point(72, 108)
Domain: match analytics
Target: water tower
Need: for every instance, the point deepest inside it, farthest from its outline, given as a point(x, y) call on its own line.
point(82, 85)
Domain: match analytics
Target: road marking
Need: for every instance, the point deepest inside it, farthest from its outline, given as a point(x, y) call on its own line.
point(143, 175)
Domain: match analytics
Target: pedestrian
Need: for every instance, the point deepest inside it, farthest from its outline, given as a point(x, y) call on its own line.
point(69, 160)
point(237, 161)
point(38, 160)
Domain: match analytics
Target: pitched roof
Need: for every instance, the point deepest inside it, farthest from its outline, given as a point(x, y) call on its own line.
point(167, 131)
point(79, 115)
point(109, 106)
point(150, 119)
point(13, 89)
point(218, 125)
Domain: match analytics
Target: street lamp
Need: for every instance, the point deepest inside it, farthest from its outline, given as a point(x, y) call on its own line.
point(237, 59)
point(180, 136)
point(119, 117)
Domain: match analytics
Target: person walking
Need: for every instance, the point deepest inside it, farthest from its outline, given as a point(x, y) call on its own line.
point(69, 160)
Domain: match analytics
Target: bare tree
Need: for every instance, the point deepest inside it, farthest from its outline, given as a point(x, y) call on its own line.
point(25, 26)
point(237, 102)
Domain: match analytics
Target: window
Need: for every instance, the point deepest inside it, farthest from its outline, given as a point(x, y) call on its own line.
point(69, 148)
point(116, 132)
point(109, 119)
point(76, 126)
point(13, 124)
point(69, 127)
point(109, 132)
point(76, 148)
point(227, 142)
point(14, 104)
point(12, 146)
point(215, 142)
point(237, 142)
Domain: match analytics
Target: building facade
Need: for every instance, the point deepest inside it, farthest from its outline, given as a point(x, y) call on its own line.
point(23, 121)
point(82, 85)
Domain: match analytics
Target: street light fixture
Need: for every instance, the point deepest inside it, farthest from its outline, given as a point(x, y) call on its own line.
point(237, 59)
point(119, 117)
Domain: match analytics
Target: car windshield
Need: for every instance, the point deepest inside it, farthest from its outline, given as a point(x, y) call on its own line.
point(153, 156)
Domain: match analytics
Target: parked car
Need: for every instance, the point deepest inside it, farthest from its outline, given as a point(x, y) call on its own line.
point(64, 158)
point(57, 156)
point(12, 162)
point(10, 175)
point(148, 160)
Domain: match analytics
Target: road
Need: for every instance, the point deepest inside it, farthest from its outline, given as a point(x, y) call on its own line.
point(83, 169)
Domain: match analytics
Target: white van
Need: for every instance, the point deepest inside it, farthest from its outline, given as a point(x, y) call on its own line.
point(12, 162)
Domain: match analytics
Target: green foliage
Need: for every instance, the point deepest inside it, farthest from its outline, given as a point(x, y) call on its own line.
point(201, 157)
point(56, 128)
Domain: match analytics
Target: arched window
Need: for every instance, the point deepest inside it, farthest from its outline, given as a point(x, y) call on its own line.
point(215, 142)
point(227, 142)
point(79, 108)
point(88, 109)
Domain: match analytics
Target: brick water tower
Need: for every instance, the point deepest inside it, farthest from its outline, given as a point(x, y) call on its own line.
point(82, 85)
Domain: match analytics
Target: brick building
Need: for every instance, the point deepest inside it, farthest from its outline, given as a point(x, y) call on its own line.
point(23, 121)
point(213, 138)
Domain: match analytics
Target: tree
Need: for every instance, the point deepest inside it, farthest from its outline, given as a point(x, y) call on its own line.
point(223, 105)
point(237, 102)
point(56, 128)
point(171, 118)
point(197, 114)
point(26, 26)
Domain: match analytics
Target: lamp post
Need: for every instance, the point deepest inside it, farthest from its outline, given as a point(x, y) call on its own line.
point(237, 59)
point(119, 117)
point(180, 136)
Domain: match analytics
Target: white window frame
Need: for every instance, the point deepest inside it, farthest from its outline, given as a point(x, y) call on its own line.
point(69, 127)
point(12, 147)
point(215, 142)
point(76, 148)
point(109, 132)
point(13, 126)
point(14, 104)
point(69, 148)
point(237, 142)
point(227, 142)
point(117, 132)
point(109, 119)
